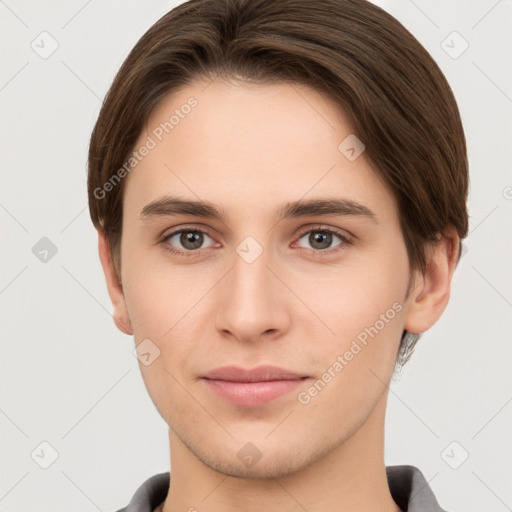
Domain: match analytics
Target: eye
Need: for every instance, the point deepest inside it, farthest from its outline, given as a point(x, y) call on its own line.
point(190, 240)
point(321, 239)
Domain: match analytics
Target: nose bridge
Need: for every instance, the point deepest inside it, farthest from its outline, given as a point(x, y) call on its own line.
point(250, 277)
point(250, 272)
point(252, 302)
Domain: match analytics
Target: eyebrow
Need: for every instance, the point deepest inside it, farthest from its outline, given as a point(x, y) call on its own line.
point(169, 206)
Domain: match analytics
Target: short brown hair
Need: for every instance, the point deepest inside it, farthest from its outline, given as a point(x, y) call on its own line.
point(355, 53)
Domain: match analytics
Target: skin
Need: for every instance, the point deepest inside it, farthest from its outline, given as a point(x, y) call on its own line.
point(250, 149)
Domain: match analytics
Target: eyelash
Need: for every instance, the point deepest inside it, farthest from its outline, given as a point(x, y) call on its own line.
point(345, 241)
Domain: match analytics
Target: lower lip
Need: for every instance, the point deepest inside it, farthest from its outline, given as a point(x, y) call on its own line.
point(252, 393)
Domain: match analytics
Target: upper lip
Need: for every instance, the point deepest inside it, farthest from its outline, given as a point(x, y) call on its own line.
point(258, 374)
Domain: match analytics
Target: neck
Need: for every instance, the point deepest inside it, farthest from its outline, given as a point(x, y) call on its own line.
point(351, 477)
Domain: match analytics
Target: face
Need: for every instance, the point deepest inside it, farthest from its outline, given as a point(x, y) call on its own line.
point(319, 293)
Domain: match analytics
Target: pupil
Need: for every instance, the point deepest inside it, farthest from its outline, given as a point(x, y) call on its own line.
point(321, 237)
point(191, 240)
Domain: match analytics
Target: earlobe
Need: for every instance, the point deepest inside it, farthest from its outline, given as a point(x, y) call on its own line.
point(114, 287)
point(431, 292)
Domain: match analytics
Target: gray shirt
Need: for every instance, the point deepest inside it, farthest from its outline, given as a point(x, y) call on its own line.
point(407, 485)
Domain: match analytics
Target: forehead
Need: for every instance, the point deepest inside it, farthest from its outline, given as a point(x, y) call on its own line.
point(248, 146)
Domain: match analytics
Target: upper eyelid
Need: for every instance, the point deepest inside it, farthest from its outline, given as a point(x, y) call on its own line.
point(320, 227)
point(316, 227)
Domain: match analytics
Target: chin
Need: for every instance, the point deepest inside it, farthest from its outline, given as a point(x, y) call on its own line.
point(267, 463)
point(262, 470)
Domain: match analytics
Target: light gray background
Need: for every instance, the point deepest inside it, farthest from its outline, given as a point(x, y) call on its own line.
point(69, 378)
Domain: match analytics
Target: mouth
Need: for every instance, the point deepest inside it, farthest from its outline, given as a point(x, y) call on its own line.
point(252, 387)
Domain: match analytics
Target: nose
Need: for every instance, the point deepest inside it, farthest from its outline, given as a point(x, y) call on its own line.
point(254, 302)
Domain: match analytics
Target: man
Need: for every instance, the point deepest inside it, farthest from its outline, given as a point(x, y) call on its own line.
point(280, 193)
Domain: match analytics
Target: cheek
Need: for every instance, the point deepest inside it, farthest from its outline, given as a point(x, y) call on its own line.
point(354, 297)
point(164, 305)
point(363, 305)
point(158, 295)
point(358, 360)
point(161, 310)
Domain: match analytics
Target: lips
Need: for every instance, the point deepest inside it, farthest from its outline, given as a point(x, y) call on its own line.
point(252, 387)
point(259, 374)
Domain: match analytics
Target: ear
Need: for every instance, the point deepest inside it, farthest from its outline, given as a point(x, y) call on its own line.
point(115, 289)
point(431, 291)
